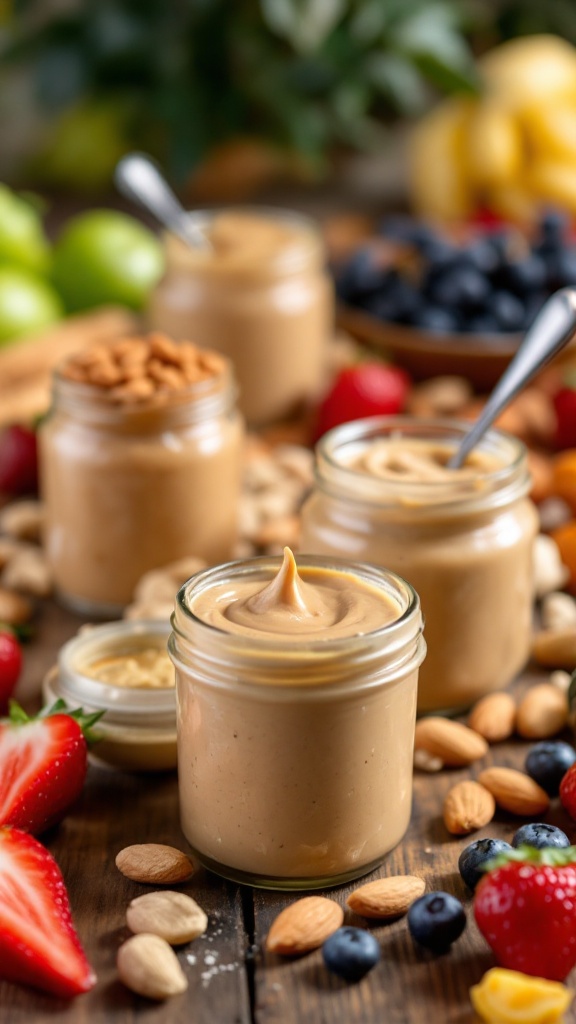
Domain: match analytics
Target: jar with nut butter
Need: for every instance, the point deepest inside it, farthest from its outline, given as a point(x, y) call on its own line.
point(296, 703)
point(463, 538)
point(140, 461)
point(260, 294)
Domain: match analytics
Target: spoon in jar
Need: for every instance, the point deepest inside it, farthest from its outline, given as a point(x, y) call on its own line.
point(552, 328)
point(138, 178)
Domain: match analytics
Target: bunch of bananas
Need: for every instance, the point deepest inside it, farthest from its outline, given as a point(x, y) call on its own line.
point(512, 149)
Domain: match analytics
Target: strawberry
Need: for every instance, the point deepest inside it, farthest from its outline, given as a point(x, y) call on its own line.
point(525, 908)
point(38, 943)
point(568, 783)
point(10, 665)
point(18, 460)
point(43, 765)
point(367, 389)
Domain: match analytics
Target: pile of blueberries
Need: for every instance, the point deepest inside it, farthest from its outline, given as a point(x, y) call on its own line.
point(495, 282)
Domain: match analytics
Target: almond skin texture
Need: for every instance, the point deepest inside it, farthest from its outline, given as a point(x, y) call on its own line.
point(154, 864)
point(494, 717)
point(304, 925)
point(514, 791)
point(542, 713)
point(386, 897)
point(555, 648)
point(455, 744)
point(468, 806)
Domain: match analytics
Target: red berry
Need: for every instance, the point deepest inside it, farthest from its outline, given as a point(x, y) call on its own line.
point(18, 460)
point(568, 791)
point(10, 666)
point(368, 389)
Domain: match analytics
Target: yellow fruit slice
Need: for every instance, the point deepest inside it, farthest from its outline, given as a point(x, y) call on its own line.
point(514, 203)
point(494, 145)
point(530, 69)
point(554, 182)
point(437, 163)
point(551, 129)
point(509, 997)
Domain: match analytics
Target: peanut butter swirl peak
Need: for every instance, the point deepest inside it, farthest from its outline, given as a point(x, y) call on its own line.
point(313, 603)
point(141, 368)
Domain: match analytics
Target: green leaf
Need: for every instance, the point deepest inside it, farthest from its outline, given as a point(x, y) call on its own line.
point(398, 79)
point(550, 856)
point(305, 23)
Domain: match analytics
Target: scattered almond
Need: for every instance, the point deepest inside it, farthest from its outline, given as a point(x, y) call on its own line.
point(148, 966)
point(542, 713)
point(386, 897)
point(514, 791)
point(304, 925)
point(467, 806)
point(555, 648)
point(173, 916)
point(494, 717)
point(29, 572)
point(153, 863)
point(22, 520)
point(14, 609)
point(455, 744)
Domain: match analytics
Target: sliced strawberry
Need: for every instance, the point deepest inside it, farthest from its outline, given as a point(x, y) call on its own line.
point(38, 943)
point(42, 765)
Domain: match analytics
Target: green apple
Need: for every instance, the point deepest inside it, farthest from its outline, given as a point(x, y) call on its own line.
point(27, 304)
point(106, 257)
point(22, 239)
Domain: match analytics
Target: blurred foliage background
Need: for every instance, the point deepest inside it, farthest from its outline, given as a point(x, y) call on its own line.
point(289, 83)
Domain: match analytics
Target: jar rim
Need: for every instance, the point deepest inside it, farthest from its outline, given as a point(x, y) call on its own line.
point(501, 484)
point(398, 643)
point(136, 702)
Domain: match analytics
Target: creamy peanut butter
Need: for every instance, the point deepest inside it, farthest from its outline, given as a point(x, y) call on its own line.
point(463, 538)
point(150, 668)
point(260, 295)
point(295, 718)
point(316, 603)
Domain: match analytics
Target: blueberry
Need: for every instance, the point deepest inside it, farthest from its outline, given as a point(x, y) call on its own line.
point(553, 226)
point(397, 302)
point(434, 318)
point(436, 920)
point(474, 856)
point(565, 268)
point(540, 836)
point(351, 953)
point(481, 323)
point(400, 228)
point(459, 286)
point(361, 275)
point(507, 310)
point(482, 255)
point(525, 276)
point(547, 763)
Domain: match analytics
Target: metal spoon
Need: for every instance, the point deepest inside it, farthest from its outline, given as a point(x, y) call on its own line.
point(552, 328)
point(138, 177)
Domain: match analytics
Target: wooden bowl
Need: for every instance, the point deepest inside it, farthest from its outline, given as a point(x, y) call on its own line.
point(481, 358)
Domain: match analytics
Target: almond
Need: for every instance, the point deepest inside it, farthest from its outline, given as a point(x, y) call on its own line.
point(494, 717)
point(468, 806)
point(542, 713)
point(154, 864)
point(514, 791)
point(304, 925)
point(147, 965)
point(555, 648)
point(386, 897)
point(455, 744)
point(173, 916)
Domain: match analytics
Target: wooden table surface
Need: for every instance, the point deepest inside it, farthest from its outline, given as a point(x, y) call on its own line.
point(232, 980)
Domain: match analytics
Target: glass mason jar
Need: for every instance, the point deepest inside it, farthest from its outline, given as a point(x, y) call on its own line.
point(465, 548)
point(262, 297)
point(295, 757)
point(131, 487)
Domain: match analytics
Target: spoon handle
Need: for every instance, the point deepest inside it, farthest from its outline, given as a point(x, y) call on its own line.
point(552, 328)
point(138, 178)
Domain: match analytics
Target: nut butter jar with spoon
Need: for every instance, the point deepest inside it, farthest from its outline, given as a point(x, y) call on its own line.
point(296, 702)
point(140, 460)
point(462, 537)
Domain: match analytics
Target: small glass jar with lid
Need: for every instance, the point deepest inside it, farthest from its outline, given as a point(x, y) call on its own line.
point(261, 295)
point(295, 755)
point(130, 486)
point(463, 539)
